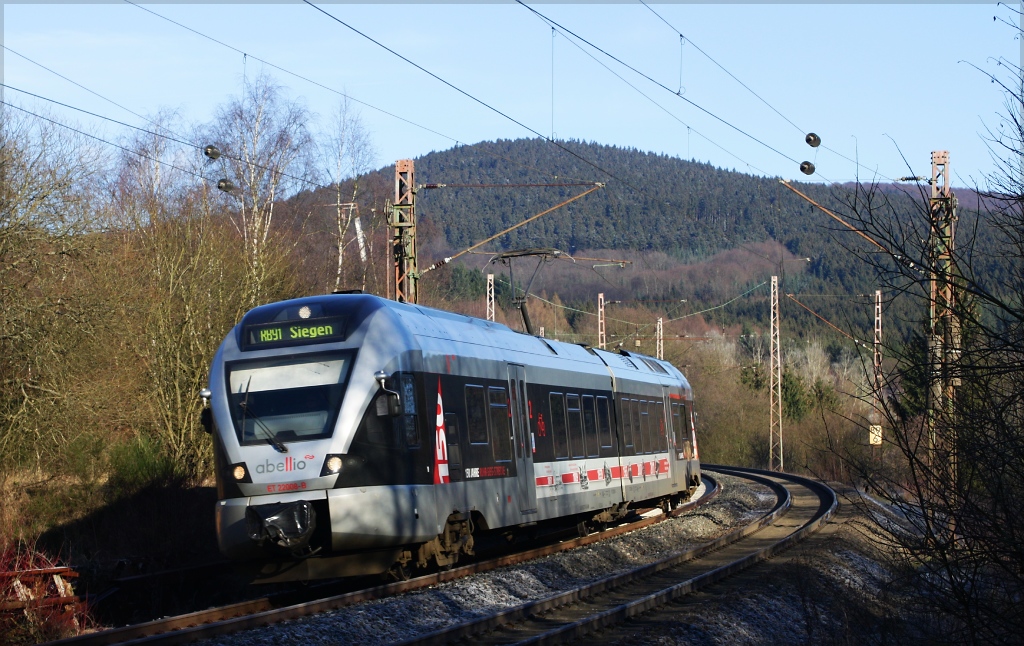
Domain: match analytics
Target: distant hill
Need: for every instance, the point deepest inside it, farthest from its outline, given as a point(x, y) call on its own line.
point(676, 218)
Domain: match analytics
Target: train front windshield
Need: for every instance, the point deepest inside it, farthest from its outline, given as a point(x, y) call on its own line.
point(289, 399)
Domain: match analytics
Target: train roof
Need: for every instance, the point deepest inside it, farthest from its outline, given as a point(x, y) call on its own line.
point(435, 328)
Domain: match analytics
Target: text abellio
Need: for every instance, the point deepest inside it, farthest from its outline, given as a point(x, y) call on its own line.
point(289, 464)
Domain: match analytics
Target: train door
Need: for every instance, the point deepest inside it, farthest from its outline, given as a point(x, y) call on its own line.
point(668, 437)
point(523, 439)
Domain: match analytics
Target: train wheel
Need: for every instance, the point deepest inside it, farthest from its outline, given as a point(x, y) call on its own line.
point(582, 529)
point(398, 572)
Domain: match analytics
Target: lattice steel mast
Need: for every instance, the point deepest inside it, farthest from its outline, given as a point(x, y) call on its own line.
point(775, 461)
point(660, 345)
point(402, 220)
point(943, 324)
point(490, 297)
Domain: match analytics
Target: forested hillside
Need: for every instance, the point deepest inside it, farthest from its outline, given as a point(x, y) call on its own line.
point(673, 219)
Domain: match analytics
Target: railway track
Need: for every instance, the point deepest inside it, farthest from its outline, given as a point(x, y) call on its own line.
point(803, 507)
point(245, 615)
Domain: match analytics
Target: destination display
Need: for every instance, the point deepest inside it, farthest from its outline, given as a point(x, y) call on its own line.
point(322, 330)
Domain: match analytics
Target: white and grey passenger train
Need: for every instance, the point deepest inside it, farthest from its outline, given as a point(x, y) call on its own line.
point(357, 435)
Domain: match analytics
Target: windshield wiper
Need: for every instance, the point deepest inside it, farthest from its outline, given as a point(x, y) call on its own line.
point(270, 437)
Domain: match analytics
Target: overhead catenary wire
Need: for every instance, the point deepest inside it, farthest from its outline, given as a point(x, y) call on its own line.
point(565, 257)
point(174, 138)
point(749, 89)
point(826, 321)
point(297, 75)
point(79, 85)
point(445, 261)
point(656, 82)
point(656, 104)
point(109, 143)
point(718, 307)
point(166, 129)
point(340, 93)
point(553, 185)
point(475, 99)
point(170, 137)
point(643, 326)
point(720, 66)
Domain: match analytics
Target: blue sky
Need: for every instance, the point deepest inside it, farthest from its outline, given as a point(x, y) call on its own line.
point(877, 82)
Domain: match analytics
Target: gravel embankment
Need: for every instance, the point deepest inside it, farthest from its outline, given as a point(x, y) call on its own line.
point(834, 588)
point(403, 617)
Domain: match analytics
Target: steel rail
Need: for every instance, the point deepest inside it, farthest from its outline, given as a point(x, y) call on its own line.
point(264, 611)
point(566, 630)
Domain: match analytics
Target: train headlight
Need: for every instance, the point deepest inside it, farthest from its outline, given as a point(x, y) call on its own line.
point(239, 472)
point(332, 465)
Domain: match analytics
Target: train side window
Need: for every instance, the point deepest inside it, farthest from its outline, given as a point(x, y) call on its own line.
point(677, 426)
point(558, 425)
point(476, 414)
point(645, 424)
point(627, 423)
point(604, 423)
point(576, 448)
point(659, 419)
point(590, 426)
point(502, 445)
point(451, 436)
point(638, 431)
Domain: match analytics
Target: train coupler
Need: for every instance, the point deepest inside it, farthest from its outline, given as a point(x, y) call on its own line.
point(287, 526)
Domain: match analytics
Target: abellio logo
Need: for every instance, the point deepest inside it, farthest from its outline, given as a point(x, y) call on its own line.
point(289, 464)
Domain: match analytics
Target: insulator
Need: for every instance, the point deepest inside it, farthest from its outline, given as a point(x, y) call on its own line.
point(227, 185)
point(812, 140)
point(807, 168)
point(212, 152)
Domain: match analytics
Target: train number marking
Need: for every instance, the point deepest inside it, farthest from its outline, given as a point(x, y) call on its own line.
point(286, 486)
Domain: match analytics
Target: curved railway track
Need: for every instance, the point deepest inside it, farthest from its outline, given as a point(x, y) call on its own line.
point(803, 506)
point(245, 615)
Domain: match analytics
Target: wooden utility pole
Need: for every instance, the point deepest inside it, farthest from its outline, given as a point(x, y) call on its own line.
point(402, 220)
point(775, 461)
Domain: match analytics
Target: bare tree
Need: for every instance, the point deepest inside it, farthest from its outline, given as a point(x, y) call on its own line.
point(348, 154)
point(46, 191)
point(187, 285)
point(954, 472)
point(268, 154)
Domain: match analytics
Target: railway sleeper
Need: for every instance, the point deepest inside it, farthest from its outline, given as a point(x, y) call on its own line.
point(444, 550)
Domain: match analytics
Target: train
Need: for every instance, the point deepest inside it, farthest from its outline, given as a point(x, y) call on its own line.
point(356, 435)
